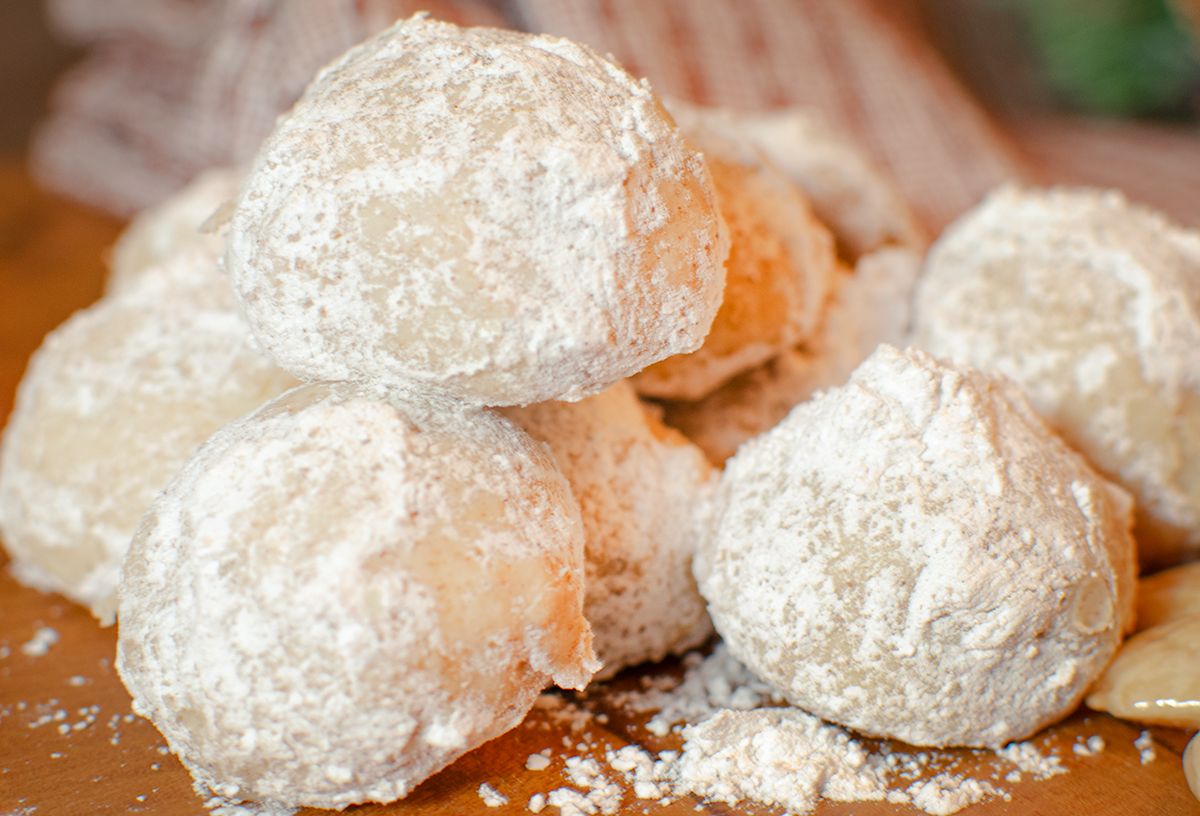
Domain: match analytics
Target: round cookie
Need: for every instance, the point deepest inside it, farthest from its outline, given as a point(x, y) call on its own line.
point(494, 216)
point(869, 306)
point(115, 400)
point(778, 276)
point(1092, 306)
point(181, 221)
point(861, 206)
point(338, 595)
point(914, 555)
point(641, 489)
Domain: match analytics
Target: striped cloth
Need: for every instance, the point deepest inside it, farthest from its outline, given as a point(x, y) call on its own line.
point(174, 87)
point(862, 63)
point(171, 88)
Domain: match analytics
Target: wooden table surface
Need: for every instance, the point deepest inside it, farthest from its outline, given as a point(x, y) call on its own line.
point(106, 760)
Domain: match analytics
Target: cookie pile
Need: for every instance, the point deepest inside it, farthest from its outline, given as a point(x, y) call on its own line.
point(501, 268)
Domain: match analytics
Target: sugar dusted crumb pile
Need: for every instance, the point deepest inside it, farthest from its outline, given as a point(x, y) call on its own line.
point(738, 746)
point(112, 404)
point(292, 613)
point(639, 486)
point(1092, 306)
point(915, 556)
point(496, 216)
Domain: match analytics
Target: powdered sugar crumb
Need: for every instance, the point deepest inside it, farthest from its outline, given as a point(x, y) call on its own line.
point(490, 796)
point(603, 795)
point(1145, 745)
point(41, 642)
point(949, 793)
point(738, 746)
point(709, 685)
point(1030, 760)
point(563, 711)
point(538, 762)
point(220, 806)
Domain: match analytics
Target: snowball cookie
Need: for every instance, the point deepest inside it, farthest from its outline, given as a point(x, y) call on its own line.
point(640, 488)
point(915, 556)
point(869, 306)
point(501, 217)
point(1093, 307)
point(112, 404)
point(859, 203)
point(779, 273)
point(337, 596)
point(159, 232)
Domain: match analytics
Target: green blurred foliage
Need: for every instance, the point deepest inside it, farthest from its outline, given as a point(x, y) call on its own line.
point(1114, 57)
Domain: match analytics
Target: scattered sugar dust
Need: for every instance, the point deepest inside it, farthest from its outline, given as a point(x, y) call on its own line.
point(491, 797)
point(1145, 745)
point(41, 642)
point(1090, 747)
point(741, 744)
point(219, 806)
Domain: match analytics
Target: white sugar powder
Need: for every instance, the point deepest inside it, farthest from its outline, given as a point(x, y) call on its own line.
point(219, 806)
point(736, 755)
point(948, 793)
point(735, 749)
point(1030, 760)
point(537, 762)
point(1145, 745)
point(491, 797)
point(603, 795)
point(563, 712)
point(41, 642)
point(1093, 746)
point(709, 685)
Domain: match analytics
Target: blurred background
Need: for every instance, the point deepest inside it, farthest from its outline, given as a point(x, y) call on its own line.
point(109, 106)
point(951, 96)
point(1081, 91)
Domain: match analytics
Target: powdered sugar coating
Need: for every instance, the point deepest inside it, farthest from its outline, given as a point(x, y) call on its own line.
point(641, 488)
point(113, 403)
point(339, 595)
point(860, 204)
point(161, 231)
point(496, 216)
point(1092, 306)
point(914, 555)
point(869, 306)
point(779, 274)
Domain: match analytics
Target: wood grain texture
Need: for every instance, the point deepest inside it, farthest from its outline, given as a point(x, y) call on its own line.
point(95, 757)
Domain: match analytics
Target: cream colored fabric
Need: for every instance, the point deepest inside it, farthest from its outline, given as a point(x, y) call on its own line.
point(169, 89)
point(856, 61)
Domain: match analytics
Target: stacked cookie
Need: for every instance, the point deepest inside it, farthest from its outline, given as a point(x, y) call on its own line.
point(476, 249)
